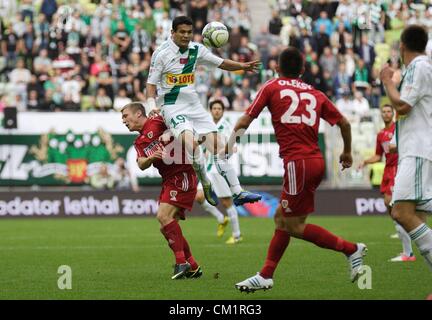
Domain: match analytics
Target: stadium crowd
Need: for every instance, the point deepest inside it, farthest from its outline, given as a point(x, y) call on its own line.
point(95, 55)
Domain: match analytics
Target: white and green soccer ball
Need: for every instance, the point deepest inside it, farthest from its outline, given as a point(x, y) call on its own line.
point(215, 35)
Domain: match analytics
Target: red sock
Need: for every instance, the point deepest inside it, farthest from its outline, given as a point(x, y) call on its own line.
point(188, 254)
point(277, 247)
point(174, 236)
point(325, 239)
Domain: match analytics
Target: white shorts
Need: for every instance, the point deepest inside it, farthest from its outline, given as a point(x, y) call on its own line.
point(413, 182)
point(193, 117)
point(219, 185)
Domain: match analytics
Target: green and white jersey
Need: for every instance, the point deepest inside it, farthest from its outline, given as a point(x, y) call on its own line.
point(173, 71)
point(414, 130)
point(224, 131)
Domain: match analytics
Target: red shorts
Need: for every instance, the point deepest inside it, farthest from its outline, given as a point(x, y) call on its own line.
point(388, 180)
point(301, 179)
point(180, 191)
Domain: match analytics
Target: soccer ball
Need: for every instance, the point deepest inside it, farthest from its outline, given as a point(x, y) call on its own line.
point(215, 35)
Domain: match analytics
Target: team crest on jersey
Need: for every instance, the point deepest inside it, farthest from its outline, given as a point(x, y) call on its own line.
point(150, 134)
point(173, 195)
point(284, 204)
point(183, 60)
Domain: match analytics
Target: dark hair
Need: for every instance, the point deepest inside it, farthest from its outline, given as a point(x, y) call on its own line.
point(387, 105)
point(415, 38)
point(135, 106)
point(181, 20)
point(216, 102)
point(291, 62)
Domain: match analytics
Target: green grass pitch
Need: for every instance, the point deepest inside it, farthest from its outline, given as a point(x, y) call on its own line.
point(129, 259)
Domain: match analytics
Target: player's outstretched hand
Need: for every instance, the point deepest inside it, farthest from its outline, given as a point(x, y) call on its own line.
point(346, 160)
point(386, 74)
point(158, 154)
point(253, 66)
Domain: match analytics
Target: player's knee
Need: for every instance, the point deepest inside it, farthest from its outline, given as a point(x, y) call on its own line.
point(226, 202)
point(279, 221)
point(163, 217)
point(295, 229)
point(397, 214)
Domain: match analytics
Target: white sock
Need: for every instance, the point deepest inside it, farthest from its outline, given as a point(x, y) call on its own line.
point(199, 165)
point(213, 210)
point(228, 173)
point(422, 236)
point(235, 226)
point(406, 240)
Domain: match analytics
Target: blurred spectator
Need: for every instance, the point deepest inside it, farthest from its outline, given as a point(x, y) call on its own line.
point(19, 78)
point(103, 102)
point(360, 105)
point(123, 177)
point(121, 100)
point(48, 8)
point(361, 78)
point(342, 81)
point(240, 103)
point(366, 52)
point(328, 62)
point(345, 105)
point(275, 24)
point(102, 180)
point(321, 39)
point(323, 20)
point(218, 95)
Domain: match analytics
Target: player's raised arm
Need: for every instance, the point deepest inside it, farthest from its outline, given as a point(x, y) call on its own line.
point(239, 129)
point(400, 106)
point(231, 65)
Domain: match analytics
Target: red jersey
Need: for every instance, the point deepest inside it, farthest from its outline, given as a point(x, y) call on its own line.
point(296, 109)
point(148, 143)
point(382, 145)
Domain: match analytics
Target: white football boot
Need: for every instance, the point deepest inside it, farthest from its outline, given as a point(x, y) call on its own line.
point(356, 261)
point(254, 283)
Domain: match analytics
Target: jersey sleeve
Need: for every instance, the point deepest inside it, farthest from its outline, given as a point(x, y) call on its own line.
point(156, 69)
point(261, 101)
point(207, 58)
point(378, 148)
point(412, 89)
point(329, 112)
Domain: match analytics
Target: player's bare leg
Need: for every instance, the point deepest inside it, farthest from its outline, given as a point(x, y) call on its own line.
point(221, 219)
point(404, 212)
point(407, 252)
point(196, 157)
point(217, 147)
point(168, 218)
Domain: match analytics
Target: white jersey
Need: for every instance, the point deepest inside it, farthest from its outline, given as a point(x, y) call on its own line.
point(173, 71)
point(414, 130)
point(224, 129)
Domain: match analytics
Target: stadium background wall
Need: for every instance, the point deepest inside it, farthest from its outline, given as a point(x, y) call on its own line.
point(126, 204)
point(57, 150)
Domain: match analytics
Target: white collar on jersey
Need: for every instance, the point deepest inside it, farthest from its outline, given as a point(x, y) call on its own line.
point(175, 48)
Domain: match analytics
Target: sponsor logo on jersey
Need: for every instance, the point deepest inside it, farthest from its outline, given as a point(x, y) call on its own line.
point(180, 79)
point(173, 195)
point(152, 148)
